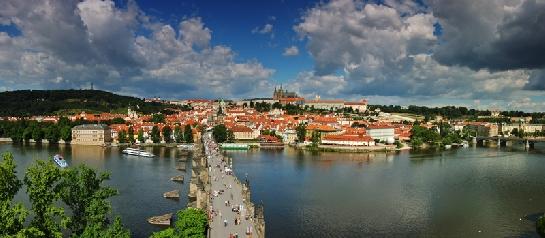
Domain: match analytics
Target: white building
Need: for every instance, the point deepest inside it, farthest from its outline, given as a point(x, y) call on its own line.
point(245, 133)
point(317, 103)
point(335, 104)
point(360, 106)
point(91, 134)
point(381, 133)
point(348, 140)
point(289, 136)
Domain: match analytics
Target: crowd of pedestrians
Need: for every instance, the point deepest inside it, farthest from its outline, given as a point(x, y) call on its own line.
point(226, 203)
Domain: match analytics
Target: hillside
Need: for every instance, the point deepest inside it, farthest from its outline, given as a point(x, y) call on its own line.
point(49, 102)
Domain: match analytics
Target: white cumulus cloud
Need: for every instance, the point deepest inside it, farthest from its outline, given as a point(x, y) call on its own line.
point(291, 51)
point(71, 44)
point(387, 50)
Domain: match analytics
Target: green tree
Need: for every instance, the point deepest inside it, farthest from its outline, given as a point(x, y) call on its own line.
point(316, 138)
point(167, 134)
point(219, 132)
point(122, 136)
point(66, 133)
point(64, 121)
point(52, 133)
point(178, 134)
point(12, 216)
point(79, 188)
point(155, 134)
point(16, 133)
point(130, 135)
point(424, 135)
point(158, 118)
point(301, 132)
point(9, 183)
point(118, 120)
point(191, 222)
point(37, 134)
point(188, 134)
point(416, 142)
point(141, 135)
point(41, 181)
point(27, 133)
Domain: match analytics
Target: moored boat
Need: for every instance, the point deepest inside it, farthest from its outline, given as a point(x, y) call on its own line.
point(59, 160)
point(137, 152)
point(186, 146)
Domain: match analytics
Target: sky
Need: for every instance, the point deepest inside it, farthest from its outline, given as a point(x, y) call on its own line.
point(475, 53)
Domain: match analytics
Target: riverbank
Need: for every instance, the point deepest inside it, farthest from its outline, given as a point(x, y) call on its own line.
point(169, 145)
point(350, 149)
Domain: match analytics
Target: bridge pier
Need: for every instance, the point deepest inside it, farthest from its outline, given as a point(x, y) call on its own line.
point(491, 143)
point(474, 140)
point(498, 143)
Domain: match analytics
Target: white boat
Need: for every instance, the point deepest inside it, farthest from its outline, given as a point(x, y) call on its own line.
point(59, 160)
point(186, 146)
point(137, 152)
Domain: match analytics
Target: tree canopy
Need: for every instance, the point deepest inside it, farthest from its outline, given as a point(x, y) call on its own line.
point(301, 132)
point(79, 188)
point(49, 102)
point(190, 222)
point(220, 133)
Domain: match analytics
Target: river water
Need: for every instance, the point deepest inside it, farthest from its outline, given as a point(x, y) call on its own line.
point(466, 192)
point(140, 181)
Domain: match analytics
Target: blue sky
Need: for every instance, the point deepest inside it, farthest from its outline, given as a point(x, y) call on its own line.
point(388, 51)
point(232, 23)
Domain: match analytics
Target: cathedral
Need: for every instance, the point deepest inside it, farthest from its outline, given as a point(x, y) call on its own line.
point(281, 93)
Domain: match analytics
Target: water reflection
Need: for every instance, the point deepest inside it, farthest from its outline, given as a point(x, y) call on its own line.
point(424, 194)
point(93, 156)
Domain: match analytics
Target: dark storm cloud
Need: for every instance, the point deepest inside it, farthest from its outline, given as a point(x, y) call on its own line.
point(496, 35)
point(536, 81)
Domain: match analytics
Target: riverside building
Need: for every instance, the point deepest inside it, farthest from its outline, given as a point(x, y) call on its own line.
point(91, 134)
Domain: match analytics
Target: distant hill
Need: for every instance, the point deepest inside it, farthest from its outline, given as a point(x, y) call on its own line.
point(50, 102)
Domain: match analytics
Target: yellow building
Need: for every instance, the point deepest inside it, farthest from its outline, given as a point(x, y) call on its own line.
point(91, 134)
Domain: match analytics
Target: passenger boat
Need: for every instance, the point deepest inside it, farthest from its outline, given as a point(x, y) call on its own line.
point(186, 146)
point(137, 152)
point(59, 160)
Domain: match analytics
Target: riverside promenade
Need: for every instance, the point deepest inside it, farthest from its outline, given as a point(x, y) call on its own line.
point(230, 210)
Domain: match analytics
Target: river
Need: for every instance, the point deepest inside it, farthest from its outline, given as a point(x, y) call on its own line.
point(466, 192)
point(140, 181)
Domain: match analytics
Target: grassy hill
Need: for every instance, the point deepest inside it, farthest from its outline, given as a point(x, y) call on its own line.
point(53, 102)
